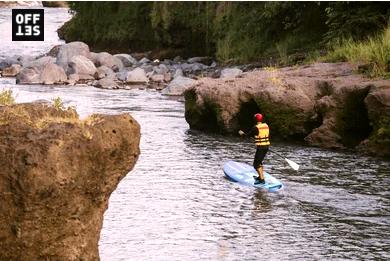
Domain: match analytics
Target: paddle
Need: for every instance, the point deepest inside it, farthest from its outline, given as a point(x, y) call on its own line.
point(292, 164)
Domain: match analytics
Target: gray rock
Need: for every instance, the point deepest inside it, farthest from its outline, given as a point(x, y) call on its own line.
point(28, 76)
point(7, 62)
point(137, 75)
point(11, 71)
point(126, 59)
point(54, 51)
point(178, 72)
point(161, 69)
point(185, 66)
point(74, 77)
point(39, 63)
point(25, 59)
point(196, 67)
point(122, 75)
point(178, 86)
point(231, 73)
point(106, 83)
point(158, 78)
point(52, 73)
point(108, 60)
point(213, 64)
point(49, 73)
point(144, 60)
point(167, 77)
point(167, 62)
point(67, 51)
point(147, 67)
point(81, 65)
point(104, 71)
point(93, 57)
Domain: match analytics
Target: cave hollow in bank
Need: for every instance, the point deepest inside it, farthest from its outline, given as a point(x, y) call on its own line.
point(352, 121)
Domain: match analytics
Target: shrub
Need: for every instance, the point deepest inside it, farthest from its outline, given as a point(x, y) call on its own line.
point(373, 52)
point(6, 97)
point(58, 104)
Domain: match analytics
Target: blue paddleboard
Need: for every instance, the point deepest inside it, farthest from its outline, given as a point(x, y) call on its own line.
point(244, 174)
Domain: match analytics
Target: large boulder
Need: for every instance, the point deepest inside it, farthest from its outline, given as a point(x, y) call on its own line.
point(104, 71)
point(126, 59)
point(39, 63)
point(53, 74)
point(178, 86)
point(108, 60)
point(137, 76)
point(29, 76)
point(106, 83)
point(82, 66)
point(327, 105)
point(26, 59)
point(57, 174)
point(54, 51)
point(67, 51)
point(46, 74)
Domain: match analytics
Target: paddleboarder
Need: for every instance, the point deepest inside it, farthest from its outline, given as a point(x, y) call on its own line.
point(260, 131)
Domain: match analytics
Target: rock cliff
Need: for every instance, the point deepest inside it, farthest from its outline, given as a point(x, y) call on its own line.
point(57, 173)
point(327, 105)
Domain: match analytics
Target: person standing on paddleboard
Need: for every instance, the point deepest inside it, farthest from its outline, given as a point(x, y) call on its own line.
point(261, 134)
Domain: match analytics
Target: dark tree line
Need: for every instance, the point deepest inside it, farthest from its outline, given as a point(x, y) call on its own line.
point(238, 31)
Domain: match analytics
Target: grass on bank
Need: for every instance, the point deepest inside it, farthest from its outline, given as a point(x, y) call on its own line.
point(373, 54)
point(6, 97)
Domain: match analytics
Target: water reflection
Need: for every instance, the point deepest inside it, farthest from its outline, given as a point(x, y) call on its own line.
point(177, 204)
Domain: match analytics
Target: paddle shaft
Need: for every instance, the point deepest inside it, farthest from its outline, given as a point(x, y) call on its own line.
point(276, 153)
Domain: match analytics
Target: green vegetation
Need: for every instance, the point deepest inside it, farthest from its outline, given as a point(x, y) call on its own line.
point(6, 97)
point(374, 53)
point(236, 32)
point(58, 104)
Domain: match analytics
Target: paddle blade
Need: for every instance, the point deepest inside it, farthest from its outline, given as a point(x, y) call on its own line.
point(292, 164)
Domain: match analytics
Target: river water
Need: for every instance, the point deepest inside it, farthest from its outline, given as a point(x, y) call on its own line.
point(177, 205)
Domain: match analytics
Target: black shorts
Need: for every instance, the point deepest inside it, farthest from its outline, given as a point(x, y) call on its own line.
point(261, 151)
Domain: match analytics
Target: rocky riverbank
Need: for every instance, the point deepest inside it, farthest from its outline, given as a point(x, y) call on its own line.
point(57, 174)
point(74, 63)
point(11, 4)
point(326, 105)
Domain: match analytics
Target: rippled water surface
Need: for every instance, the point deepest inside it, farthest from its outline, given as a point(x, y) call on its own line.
point(177, 205)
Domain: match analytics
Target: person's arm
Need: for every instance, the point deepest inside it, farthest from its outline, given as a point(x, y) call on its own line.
point(251, 132)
